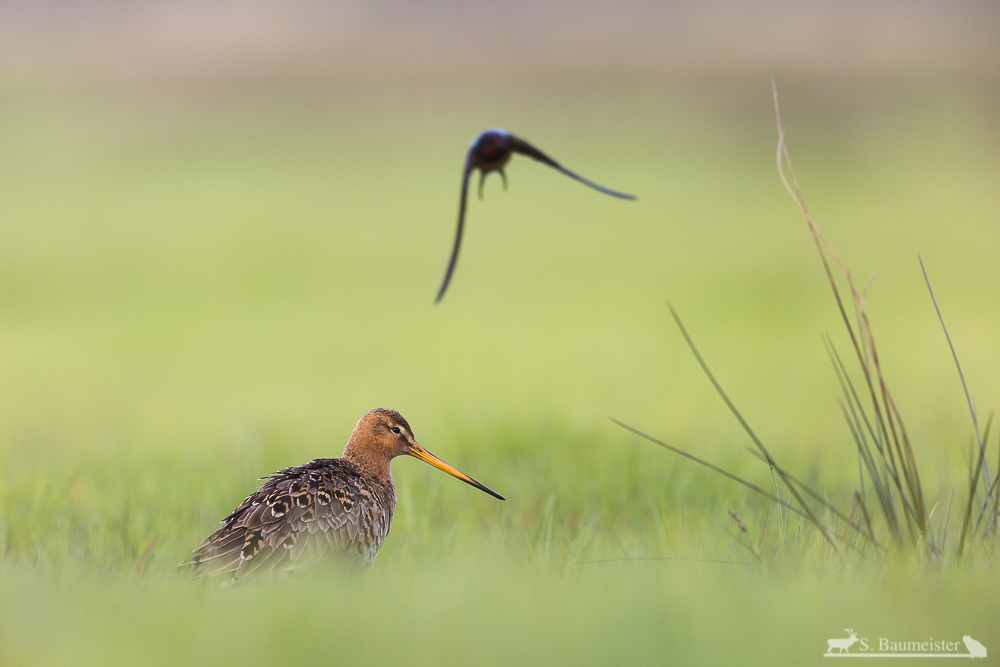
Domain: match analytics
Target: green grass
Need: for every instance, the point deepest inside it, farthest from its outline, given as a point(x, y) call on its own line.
point(197, 288)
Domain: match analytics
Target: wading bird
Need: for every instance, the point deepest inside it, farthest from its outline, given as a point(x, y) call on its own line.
point(491, 151)
point(341, 505)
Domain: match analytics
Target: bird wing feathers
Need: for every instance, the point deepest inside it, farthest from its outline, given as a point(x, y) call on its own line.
point(524, 148)
point(322, 506)
point(466, 172)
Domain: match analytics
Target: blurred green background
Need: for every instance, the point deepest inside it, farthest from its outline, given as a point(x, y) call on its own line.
point(221, 232)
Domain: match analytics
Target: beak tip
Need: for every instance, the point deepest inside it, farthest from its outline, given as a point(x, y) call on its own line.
point(418, 452)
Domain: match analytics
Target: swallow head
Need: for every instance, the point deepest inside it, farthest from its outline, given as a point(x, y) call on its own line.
point(491, 149)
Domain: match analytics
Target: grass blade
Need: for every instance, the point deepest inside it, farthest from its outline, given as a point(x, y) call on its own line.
point(965, 387)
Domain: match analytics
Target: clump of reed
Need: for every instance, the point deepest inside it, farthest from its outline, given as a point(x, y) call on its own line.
point(888, 508)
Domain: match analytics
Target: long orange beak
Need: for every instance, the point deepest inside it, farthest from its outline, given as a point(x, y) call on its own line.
point(418, 452)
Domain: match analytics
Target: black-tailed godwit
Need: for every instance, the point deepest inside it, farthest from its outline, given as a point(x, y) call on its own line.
point(341, 505)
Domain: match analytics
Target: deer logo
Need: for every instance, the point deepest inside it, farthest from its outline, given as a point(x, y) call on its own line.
point(842, 644)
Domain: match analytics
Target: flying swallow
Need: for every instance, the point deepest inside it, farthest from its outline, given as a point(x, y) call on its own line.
point(491, 151)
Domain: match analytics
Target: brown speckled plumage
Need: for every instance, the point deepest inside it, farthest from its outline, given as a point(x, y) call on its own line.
point(343, 505)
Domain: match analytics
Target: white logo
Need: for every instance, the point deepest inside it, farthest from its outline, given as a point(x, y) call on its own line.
point(842, 644)
point(884, 647)
point(976, 650)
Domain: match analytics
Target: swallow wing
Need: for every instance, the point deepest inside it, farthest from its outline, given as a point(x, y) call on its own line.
point(524, 148)
point(461, 225)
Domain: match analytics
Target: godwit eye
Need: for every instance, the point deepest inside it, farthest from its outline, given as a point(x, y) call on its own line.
point(395, 429)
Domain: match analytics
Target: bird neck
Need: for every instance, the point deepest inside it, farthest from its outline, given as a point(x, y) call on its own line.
point(371, 464)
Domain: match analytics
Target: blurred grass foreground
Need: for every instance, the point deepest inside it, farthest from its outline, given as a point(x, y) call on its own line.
point(221, 234)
